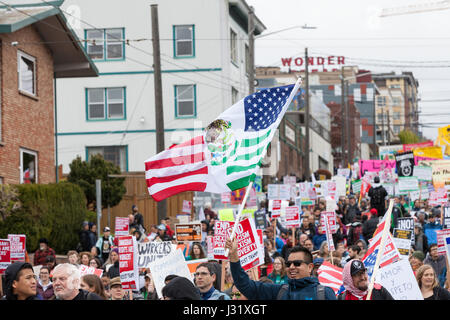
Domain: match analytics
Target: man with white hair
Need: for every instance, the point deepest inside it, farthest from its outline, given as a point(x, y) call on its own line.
point(66, 284)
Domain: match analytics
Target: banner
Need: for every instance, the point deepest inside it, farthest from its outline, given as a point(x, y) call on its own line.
point(441, 174)
point(90, 270)
point(225, 197)
point(398, 278)
point(402, 240)
point(237, 196)
point(434, 152)
point(174, 263)
point(188, 232)
point(122, 227)
point(405, 164)
point(154, 250)
point(5, 255)
point(409, 147)
point(187, 206)
point(408, 184)
point(278, 192)
point(443, 139)
point(423, 173)
point(128, 263)
point(292, 217)
point(18, 247)
point(222, 231)
point(374, 166)
point(388, 152)
point(330, 218)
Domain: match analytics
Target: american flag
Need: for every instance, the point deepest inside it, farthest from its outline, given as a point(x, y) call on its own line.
point(330, 276)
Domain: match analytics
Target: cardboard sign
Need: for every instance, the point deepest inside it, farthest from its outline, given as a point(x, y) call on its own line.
point(402, 240)
point(90, 270)
point(5, 254)
point(210, 247)
point(184, 218)
point(128, 263)
point(225, 197)
point(329, 236)
point(222, 231)
point(292, 219)
point(18, 247)
point(188, 232)
point(341, 189)
point(122, 227)
point(441, 235)
point(331, 220)
point(398, 278)
point(408, 184)
point(248, 243)
point(423, 173)
point(278, 192)
point(260, 219)
point(151, 251)
point(174, 263)
point(374, 166)
point(226, 215)
point(406, 224)
point(187, 206)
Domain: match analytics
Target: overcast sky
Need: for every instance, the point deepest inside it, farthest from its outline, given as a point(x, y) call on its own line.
point(418, 43)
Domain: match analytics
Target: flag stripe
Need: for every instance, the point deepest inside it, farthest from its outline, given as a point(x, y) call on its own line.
point(241, 182)
point(225, 159)
point(198, 140)
point(234, 169)
point(254, 141)
point(169, 171)
point(154, 180)
point(249, 156)
point(175, 161)
point(167, 192)
point(184, 180)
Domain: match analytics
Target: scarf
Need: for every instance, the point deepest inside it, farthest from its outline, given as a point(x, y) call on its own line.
point(348, 282)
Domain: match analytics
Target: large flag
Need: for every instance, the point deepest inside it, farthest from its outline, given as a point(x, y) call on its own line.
point(330, 276)
point(228, 154)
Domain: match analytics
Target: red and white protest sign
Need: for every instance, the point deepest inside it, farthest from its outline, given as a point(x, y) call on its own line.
point(18, 247)
point(5, 254)
point(210, 247)
point(292, 217)
point(261, 244)
point(187, 206)
point(128, 264)
point(225, 197)
point(329, 236)
point(331, 218)
point(275, 208)
point(122, 227)
point(248, 243)
point(222, 231)
point(90, 270)
point(441, 235)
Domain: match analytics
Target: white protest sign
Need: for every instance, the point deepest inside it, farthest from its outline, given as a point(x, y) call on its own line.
point(292, 217)
point(278, 192)
point(122, 226)
point(402, 240)
point(341, 189)
point(423, 173)
point(151, 251)
point(5, 254)
point(331, 219)
point(398, 278)
point(187, 206)
point(174, 263)
point(407, 184)
point(329, 237)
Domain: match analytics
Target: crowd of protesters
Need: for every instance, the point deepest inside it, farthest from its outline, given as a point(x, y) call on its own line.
point(292, 258)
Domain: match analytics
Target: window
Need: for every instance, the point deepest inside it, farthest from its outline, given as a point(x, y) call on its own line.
point(247, 59)
point(28, 166)
point(114, 154)
point(184, 41)
point(323, 164)
point(234, 95)
point(396, 101)
point(233, 46)
point(397, 129)
point(185, 101)
point(381, 101)
point(26, 68)
point(396, 115)
point(105, 103)
point(105, 44)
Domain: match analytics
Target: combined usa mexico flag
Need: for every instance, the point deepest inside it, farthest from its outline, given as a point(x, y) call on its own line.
point(228, 154)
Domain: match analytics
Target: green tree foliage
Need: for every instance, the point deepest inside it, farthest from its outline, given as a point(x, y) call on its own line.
point(407, 137)
point(9, 200)
point(84, 173)
point(53, 211)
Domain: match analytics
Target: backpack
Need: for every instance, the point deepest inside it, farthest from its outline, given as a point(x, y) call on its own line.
point(285, 287)
point(356, 233)
point(377, 198)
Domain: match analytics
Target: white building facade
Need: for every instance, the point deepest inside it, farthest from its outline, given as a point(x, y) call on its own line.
point(204, 61)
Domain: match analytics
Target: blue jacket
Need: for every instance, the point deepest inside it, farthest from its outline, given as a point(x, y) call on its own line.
point(318, 239)
point(299, 289)
point(430, 229)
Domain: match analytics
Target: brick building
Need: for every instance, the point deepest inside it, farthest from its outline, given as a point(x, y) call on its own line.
point(37, 46)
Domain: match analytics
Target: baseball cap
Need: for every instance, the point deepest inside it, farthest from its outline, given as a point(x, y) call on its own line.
point(162, 227)
point(105, 229)
point(356, 267)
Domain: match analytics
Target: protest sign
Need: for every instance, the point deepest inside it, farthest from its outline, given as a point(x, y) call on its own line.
point(193, 264)
point(289, 180)
point(184, 218)
point(411, 146)
point(174, 263)
point(388, 152)
point(331, 220)
point(406, 224)
point(222, 231)
point(252, 200)
point(247, 240)
point(278, 192)
point(122, 226)
point(356, 186)
point(260, 219)
point(188, 232)
point(248, 213)
point(5, 255)
point(374, 166)
point(128, 262)
point(404, 163)
point(398, 278)
point(225, 197)
point(402, 240)
point(423, 173)
point(237, 196)
point(304, 194)
point(446, 222)
point(18, 247)
point(344, 172)
point(329, 236)
point(441, 235)
point(441, 173)
point(390, 188)
point(226, 215)
point(151, 251)
point(447, 248)
point(187, 206)
point(258, 184)
point(90, 270)
point(408, 184)
point(434, 152)
point(292, 219)
point(437, 198)
point(341, 189)
point(261, 252)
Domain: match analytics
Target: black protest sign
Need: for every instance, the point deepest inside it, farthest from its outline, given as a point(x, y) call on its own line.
point(407, 224)
point(402, 240)
point(446, 218)
point(260, 219)
point(405, 164)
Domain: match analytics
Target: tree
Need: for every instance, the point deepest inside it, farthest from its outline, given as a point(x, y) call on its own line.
point(407, 137)
point(84, 174)
point(9, 200)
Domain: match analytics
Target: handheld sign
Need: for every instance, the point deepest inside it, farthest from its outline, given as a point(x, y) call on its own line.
point(222, 231)
point(18, 247)
point(292, 217)
point(188, 232)
point(247, 240)
point(441, 235)
point(187, 206)
point(128, 263)
point(122, 226)
point(402, 240)
point(5, 255)
point(151, 251)
point(90, 270)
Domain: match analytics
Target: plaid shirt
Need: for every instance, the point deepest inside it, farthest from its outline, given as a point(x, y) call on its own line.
point(40, 256)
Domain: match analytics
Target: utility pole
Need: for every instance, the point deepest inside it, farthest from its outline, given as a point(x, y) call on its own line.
point(307, 169)
point(388, 128)
point(251, 51)
point(343, 117)
point(382, 130)
point(349, 126)
point(159, 111)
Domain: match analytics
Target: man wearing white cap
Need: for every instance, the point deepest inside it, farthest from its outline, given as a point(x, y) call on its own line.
point(104, 244)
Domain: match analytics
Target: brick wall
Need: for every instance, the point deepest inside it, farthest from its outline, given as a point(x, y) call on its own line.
point(26, 122)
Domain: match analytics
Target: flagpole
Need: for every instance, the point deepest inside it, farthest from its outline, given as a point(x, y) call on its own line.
point(387, 224)
point(238, 217)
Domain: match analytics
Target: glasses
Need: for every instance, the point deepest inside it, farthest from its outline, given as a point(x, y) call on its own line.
point(235, 294)
point(297, 263)
point(203, 274)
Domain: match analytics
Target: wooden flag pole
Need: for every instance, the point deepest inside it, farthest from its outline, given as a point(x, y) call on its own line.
point(238, 217)
point(222, 281)
point(293, 236)
point(387, 224)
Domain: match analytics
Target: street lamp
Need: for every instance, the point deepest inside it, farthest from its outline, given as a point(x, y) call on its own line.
point(286, 29)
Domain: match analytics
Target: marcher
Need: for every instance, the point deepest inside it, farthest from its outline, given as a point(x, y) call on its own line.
point(116, 290)
point(420, 239)
point(66, 281)
point(432, 226)
point(44, 286)
point(85, 257)
point(92, 235)
point(438, 262)
point(278, 275)
point(429, 284)
point(138, 217)
point(73, 257)
point(112, 266)
point(301, 286)
point(20, 282)
point(205, 276)
point(196, 252)
point(416, 260)
point(105, 243)
point(95, 263)
point(352, 211)
point(356, 284)
point(148, 291)
point(92, 283)
point(378, 194)
point(370, 225)
point(180, 288)
point(84, 244)
point(40, 255)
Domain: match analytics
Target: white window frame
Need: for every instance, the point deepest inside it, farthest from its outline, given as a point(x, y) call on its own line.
point(191, 40)
point(178, 100)
point(21, 54)
point(35, 154)
point(234, 46)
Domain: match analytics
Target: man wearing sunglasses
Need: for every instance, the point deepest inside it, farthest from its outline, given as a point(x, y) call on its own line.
point(301, 285)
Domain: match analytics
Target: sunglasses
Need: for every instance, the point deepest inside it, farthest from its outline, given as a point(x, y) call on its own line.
point(235, 294)
point(297, 263)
